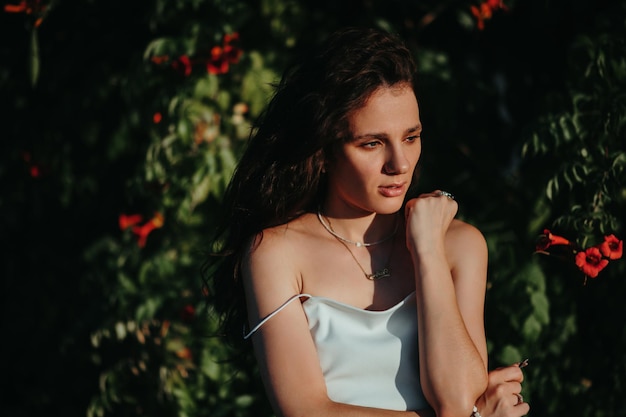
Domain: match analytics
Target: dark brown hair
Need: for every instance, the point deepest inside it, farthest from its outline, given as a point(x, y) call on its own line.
point(280, 176)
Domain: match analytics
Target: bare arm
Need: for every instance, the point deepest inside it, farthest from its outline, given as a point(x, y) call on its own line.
point(450, 259)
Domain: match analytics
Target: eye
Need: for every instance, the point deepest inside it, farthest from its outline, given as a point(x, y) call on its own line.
point(413, 138)
point(370, 145)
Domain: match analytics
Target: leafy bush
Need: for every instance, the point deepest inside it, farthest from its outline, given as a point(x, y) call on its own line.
point(124, 122)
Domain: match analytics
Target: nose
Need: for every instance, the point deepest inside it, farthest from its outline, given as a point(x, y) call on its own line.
point(396, 162)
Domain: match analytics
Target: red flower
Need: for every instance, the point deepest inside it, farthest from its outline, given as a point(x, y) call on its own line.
point(35, 170)
point(612, 247)
point(230, 37)
point(485, 11)
point(188, 313)
point(222, 56)
point(160, 59)
point(182, 64)
point(28, 7)
point(590, 261)
point(496, 4)
point(184, 353)
point(232, 54)
point(143, 231)
point(25, 6)
point(547, 239)
point(481, 14)
point(157, 117)
point(218, 63)
point(126, 221)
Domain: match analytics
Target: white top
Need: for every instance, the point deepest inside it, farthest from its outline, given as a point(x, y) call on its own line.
point(368, 358)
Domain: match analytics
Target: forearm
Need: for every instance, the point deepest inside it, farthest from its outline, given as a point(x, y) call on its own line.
point(452, 371)
point(334, 409)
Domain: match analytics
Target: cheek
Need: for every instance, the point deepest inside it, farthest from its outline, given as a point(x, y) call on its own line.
point(417, 154)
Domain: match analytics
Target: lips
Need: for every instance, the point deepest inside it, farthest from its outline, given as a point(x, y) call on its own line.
point(393, 190)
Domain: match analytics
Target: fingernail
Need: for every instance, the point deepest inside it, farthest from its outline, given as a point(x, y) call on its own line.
point(523, 363)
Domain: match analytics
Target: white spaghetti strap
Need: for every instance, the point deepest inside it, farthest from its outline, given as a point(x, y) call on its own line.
point(272, 314)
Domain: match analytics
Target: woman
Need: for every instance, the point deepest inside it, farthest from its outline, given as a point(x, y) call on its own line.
point(361, 300)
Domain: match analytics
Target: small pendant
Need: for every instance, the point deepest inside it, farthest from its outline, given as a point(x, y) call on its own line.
point(383, 273)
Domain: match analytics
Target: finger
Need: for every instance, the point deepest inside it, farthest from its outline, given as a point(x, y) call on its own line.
point(506, 373)
point(523, 408)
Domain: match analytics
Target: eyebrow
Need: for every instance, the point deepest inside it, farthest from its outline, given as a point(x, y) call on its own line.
point(417, 127)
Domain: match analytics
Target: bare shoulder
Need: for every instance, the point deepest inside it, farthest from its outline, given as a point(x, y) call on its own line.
point(271, 267)
point(271, 250)
point(466, 232)
point(465, 245)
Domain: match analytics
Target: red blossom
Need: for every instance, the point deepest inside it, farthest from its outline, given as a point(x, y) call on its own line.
point(35, 7)
point(129, 220)
point(485, 11)
point(35, 172)
point(218, 63)
point(184, 353)
point(591, 262)
point(157, 117)
point(188, 313)
point(25, 6)
point(230, 37)
point(144, 230)
point(160, 59)
point(182, 64)
point(547, 239)
point(222, 56)
point(481, 14)
point(232, 54)
point(496, 4)
point(612, 247)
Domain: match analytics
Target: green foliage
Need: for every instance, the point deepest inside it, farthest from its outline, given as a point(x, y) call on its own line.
point(121, 108)
point(585, 137)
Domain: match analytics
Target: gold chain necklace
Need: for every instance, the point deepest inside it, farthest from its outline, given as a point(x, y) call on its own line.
point(384, 272)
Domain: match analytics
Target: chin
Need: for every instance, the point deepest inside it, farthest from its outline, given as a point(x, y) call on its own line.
point(389, 207)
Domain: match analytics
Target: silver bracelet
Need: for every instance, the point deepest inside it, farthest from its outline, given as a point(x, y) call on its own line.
point(475, 412)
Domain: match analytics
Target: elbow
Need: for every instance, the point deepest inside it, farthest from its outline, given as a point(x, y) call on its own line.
point(322, 408)
point(461, 405)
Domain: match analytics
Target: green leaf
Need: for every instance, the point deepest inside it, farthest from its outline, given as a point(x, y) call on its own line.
point(509, 355)
point(206, 87)
point(541, 306)
point(34, 57)
point(531, 329)
point(126, 283)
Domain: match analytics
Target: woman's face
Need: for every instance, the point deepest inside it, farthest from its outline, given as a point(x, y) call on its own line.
point(372, 172)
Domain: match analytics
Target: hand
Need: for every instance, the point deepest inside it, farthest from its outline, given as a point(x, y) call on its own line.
point(427, 220)
point(501, 397)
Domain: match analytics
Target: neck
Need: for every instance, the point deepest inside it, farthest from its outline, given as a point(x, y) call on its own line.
point(367, 229)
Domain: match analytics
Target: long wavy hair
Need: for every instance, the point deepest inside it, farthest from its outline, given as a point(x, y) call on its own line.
point(281, 173)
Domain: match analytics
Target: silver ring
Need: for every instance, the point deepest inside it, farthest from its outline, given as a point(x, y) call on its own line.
point(520, 399)
point(446, 194)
